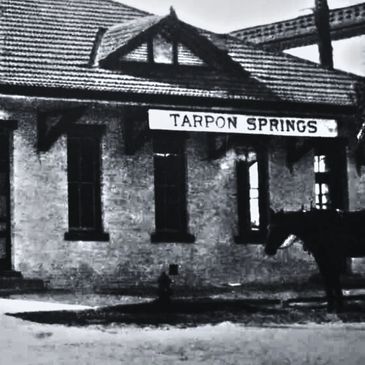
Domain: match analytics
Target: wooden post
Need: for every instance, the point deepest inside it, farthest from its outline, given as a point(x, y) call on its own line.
point(322, 21)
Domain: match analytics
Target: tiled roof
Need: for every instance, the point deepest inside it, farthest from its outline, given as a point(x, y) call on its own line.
point(48, 43)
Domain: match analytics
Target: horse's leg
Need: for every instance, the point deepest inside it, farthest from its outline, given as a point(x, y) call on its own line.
point(336, 283)
point(326, 276)
point(336, 270)
point(335, 259)
point(330, 292)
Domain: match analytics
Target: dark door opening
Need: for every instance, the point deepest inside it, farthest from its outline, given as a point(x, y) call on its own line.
point(5, 244)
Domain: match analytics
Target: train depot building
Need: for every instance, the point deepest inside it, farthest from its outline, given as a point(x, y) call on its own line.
point(132, 144)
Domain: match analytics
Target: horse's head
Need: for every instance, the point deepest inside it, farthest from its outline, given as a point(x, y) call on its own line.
point(277, 233)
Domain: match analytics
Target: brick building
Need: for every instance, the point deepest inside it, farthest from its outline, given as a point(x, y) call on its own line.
point(133, 143)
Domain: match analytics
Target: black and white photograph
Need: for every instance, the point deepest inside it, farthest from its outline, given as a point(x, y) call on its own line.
point(182, 182)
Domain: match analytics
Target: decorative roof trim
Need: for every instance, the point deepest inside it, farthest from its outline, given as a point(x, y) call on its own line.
point(94, 52)
point(109, 42)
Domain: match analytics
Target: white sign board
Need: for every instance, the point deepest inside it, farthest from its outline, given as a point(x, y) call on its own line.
point(172, 120)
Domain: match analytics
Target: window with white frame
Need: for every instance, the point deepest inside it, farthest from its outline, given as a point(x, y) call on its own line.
point(251, 173)
point(330, 175)
point(322, 182)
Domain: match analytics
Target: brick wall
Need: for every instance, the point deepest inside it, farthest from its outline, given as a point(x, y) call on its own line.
point(40, 215)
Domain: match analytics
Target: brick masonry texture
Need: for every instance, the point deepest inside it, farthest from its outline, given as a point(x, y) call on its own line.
point(40, 214)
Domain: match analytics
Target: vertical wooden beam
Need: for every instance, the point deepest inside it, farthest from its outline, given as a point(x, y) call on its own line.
point(322, 21)
point(359, 148)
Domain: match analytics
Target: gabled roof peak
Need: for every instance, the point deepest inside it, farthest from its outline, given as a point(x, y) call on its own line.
point(173, 12)
point(120, 39)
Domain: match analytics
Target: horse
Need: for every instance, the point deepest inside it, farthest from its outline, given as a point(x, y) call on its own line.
point(329, 235)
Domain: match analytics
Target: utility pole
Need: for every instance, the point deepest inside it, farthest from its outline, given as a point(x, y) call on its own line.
point(322, 21)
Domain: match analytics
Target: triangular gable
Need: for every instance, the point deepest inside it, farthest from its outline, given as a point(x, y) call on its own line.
point(162, 41)
point(139, 54)
point(164, 51)
point(186, 57)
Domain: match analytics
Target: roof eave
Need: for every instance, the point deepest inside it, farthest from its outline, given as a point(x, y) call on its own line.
point(155, 99)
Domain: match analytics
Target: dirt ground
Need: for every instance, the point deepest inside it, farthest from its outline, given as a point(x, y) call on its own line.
point(261, 309)
point(227, 343)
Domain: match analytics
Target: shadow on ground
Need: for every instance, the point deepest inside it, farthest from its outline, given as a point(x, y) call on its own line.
point(188, 312)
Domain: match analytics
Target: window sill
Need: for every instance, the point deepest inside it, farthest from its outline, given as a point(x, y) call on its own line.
point(165, 237)
point(86, 236)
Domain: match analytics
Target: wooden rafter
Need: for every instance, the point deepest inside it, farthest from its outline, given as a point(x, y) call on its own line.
point(52, 124)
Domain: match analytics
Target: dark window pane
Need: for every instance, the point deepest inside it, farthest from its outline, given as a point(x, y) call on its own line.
point(170, 196)
point(74, 207)
point(161, 171)
point(172, 218)
point(73, 159)
point(4, 147)
point(3, 207)
point(3, 182)
point(243, 202)
point(173, 194)
point(84, 180)
point(88, 160)
point(87, 206)
point(3, 252)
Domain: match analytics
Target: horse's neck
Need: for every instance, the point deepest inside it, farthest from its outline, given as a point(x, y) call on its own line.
point(302, 225)
point(310, 227)
point(296, 225)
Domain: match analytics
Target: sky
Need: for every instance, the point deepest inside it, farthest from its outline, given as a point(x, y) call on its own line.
point(227, 15)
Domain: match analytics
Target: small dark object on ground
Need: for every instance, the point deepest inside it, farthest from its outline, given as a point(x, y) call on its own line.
point(164, 289)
